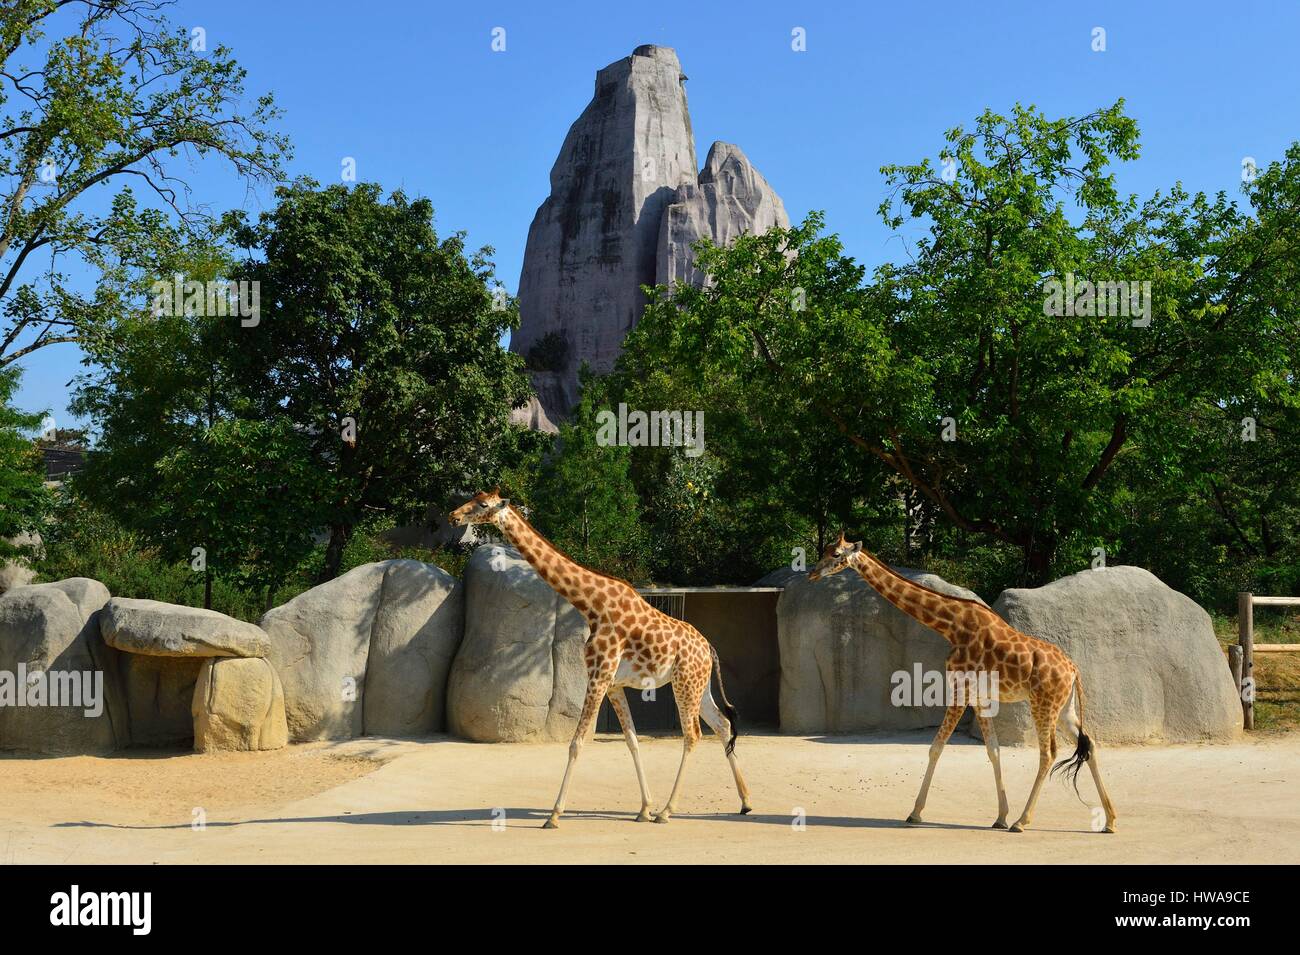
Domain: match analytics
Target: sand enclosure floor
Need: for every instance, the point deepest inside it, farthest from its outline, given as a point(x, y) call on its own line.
point(819, 799)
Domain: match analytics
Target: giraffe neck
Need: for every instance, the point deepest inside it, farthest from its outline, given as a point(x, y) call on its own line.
point(931, 609)
point(566, 576)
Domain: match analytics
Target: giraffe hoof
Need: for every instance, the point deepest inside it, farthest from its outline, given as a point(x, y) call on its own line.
point(1017, 827)
point(663, 817)
point(1000, 824)
point(551, 823)
point(746, 809)
point(913, 819)
point(1110, 828)
point(644, 816)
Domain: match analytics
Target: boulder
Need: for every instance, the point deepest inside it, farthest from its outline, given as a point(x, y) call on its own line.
point(367, 652)
point(169, 630)
point(158, 691)
point(52, 631)
point(238, 704)
point(412, 642)
point(15, 574)
point(519, 673)
point(1152, 668)
point(730, 199)
point(841, 644)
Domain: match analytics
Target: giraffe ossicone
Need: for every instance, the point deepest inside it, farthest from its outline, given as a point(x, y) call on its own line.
point(630, 644)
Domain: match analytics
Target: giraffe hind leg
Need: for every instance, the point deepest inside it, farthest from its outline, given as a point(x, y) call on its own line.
point(688, 688)
point(721, 727)
point(1045, 716)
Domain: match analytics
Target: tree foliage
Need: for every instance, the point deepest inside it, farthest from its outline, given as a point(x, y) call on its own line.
point(950, 373)
point(105, 92)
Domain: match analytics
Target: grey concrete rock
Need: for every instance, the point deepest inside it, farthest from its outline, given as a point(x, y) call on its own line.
point(592, 242)
point(154, 628)
point(54, 629)
point(1151, 666)
point(841, 644)
point(367, 652)
point(238, 704)
point(519, 673)
point(731, 199)
point(413, 639)
point(15, 574)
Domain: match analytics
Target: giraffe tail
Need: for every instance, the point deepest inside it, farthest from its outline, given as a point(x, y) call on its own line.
point(1083, 752)
point(728, 710)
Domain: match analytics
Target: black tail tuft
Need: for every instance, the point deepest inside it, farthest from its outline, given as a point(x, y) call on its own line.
point(728, 710)
point(1070, 767)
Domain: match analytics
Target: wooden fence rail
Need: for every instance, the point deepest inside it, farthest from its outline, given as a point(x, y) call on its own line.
point(1244, 671)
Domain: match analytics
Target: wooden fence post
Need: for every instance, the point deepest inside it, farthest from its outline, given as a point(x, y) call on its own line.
point(1234, 664)
point(1246, 637)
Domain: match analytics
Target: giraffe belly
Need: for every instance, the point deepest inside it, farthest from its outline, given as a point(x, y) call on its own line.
point(630, 673)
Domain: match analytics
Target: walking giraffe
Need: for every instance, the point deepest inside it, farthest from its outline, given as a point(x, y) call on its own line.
point(630, 644)
point(1027, 669)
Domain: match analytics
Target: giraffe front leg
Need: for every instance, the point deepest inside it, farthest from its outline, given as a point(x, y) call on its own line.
point(618, 700)
point(596, 689)
point(949, 724)
point(991, 745)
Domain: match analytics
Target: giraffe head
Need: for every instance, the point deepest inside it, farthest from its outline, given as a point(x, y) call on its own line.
point(837, 556)
point(482, 508)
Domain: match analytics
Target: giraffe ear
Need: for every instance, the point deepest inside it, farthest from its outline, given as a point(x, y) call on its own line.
point(857, 547)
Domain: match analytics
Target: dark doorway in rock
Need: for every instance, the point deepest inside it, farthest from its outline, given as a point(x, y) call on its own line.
point(740, 622)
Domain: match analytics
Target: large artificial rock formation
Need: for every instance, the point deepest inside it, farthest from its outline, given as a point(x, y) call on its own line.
point(600, 234)
point(841, 646)
point(1152, 668)
point(53, 630)
point(238, 704)
point(367, 652)
point(731, 199)
point(154, 628)
point(519, 674)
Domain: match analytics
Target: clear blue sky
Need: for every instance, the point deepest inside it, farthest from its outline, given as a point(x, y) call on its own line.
point(415, 93)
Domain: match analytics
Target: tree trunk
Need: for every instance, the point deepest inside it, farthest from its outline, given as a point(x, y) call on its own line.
point(340, 534)
point(207, 589)
point(1039, 553)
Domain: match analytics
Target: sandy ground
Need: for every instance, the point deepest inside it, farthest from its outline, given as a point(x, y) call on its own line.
point(436, 801)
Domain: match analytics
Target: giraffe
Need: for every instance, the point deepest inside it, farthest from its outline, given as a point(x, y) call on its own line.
point(1027, 669)
point(630, 644)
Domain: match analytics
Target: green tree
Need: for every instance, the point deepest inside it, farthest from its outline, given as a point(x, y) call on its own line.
point(24, 502)
point(584, 498)
point(121, 97)
point(182, 459)
point(379, 342)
